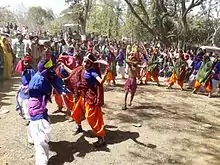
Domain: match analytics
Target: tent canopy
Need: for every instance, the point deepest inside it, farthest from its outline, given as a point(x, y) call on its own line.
point(211, 49)
point(71, 25)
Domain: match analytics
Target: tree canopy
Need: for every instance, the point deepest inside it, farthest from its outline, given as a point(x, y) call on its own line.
point(6, 16)
point(171, 23)
point(37, 16)
point(181, 23)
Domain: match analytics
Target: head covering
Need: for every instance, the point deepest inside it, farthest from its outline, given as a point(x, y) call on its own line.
point(40, 66)
point(134, 49)
point(69, 61)
point(27, 59)
point(48, 64)
point(132, 57)
point(90, 57)
point(44, 65)
point(198, 58)
point(70, 53)
point(22, 63)
point(186, 56)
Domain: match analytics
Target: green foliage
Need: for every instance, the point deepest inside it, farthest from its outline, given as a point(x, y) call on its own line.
point(104, 20)
point(155, 21)
point(6, 16)
point(72, 13)
point(54, 27)
point(134, 30)
point(39, 16)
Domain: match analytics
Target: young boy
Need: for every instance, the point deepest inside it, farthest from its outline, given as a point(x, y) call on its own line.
point(131, 82)
point(23, 94)
point(40, 89)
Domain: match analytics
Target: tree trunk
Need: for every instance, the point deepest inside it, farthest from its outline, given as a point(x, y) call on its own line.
point(214, 36)
point(185, 32)
point(83, 27)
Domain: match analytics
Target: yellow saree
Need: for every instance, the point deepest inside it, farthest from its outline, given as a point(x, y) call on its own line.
point(8, 60)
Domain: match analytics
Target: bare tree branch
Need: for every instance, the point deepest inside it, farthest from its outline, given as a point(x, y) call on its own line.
point(191, 6)
point(139, 18)
point(144, 10)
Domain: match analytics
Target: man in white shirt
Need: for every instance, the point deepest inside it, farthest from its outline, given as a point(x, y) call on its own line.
point(19, 50)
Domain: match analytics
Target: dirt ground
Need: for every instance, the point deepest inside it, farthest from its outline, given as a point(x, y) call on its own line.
point(177, 127)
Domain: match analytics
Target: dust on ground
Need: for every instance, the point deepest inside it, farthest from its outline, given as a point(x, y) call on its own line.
point(177, 127)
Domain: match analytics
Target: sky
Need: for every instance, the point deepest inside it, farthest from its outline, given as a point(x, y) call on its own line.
point(56, 5)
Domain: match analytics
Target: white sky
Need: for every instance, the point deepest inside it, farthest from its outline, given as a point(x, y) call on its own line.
point(56, 5)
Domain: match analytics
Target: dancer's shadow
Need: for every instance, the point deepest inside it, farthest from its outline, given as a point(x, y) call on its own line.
point(57, 118)
point(117, 136)
point(65, 150)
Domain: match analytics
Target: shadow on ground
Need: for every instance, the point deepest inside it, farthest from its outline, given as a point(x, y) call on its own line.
point(7, 86)
point(178, 116)
point(66, 151)
point(57, 118)
point(199, 148)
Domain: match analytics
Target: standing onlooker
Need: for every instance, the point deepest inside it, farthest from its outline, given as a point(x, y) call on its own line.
point(128, 51)
point(8, 58)
point(15, 27)
point(35, 51)
point(120, 60)
point(1, 62)
point(63, 46)
point(6, 29)
point(111, 59)
point(19, 50)
point(28, 44)
point(11, 26)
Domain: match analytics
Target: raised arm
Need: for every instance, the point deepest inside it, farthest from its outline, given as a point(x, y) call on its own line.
point(102, 80)
point(129, 62)
point(66, 68)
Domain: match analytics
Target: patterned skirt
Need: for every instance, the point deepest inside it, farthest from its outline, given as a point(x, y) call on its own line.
point(131, 85)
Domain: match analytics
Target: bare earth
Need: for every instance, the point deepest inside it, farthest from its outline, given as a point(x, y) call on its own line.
point(176, 128)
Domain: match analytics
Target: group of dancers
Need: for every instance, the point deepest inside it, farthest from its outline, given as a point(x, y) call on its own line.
point(75, 79)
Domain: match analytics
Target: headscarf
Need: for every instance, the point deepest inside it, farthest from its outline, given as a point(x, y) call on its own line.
point(186, 56)
point(69, 61)
point(134, 49)
point(90, 57)
point(22, 63)
point(198, 58)
point(44, 67)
